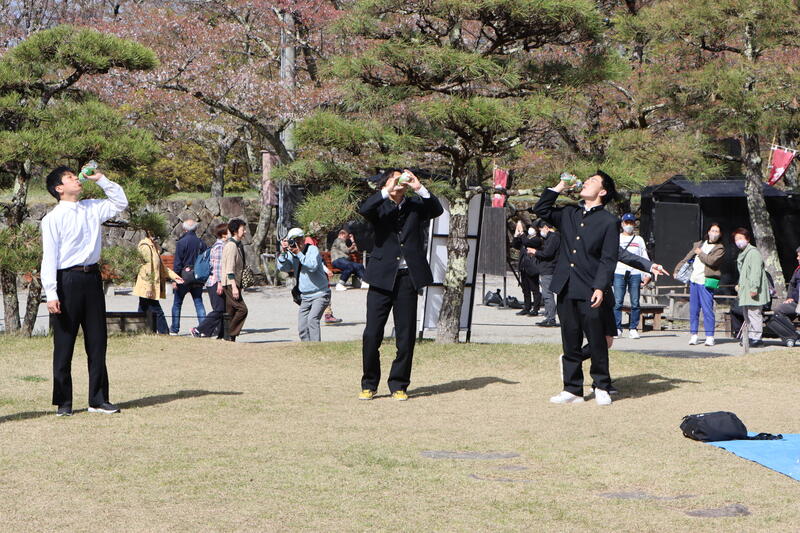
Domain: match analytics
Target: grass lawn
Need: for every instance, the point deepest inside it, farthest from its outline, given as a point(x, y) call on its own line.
point(265, 437)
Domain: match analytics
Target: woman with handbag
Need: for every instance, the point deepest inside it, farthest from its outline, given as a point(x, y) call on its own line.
point(753, 286)
point(702, 266)
point(151, 281)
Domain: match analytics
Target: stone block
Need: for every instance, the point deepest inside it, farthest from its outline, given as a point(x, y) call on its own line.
point(231, 207)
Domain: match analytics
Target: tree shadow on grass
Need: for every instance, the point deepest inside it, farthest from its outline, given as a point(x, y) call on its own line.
point(147, 401)
point(458, 385)
point(642, 385)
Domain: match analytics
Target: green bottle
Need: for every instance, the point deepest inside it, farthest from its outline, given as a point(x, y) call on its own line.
point(87, 170)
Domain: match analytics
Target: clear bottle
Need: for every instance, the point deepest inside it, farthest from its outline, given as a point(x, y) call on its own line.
point(572, 180)
point(88, 170)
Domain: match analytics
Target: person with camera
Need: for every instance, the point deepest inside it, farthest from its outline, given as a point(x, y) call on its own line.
point(304, 259)
point(397, 271)
point(342, 247)
point(527, 241)
point(233, 262)
point(582, 280)
point(547, 257)
point(71, 246)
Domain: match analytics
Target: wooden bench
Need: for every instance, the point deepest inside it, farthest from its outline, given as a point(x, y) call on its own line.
point(648, 309)
point(355, 257)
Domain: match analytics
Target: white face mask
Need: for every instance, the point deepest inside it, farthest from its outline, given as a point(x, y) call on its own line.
point(627, 229)
point(741, 244)
point(543, 233)
point(531, 232)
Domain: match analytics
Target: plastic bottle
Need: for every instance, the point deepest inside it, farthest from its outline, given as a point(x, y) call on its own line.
point(572, 180)
point(87, 170)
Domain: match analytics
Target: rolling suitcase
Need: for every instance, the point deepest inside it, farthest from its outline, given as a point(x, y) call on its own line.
point(783, 328)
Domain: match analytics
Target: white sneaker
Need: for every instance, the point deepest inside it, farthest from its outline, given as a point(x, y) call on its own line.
point(709, 341)
point(693, 339)
point(340, 287)
point(566, 397)
point(633, 334)
point(619, 334)
point(364, 285)
point(602, 397)
point(174, 333)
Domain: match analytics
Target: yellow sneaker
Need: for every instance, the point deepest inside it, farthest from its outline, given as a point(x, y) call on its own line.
point(400, 395)
point(366, 394)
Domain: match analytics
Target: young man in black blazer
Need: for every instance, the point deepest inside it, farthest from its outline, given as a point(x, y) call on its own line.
point(582, 279)
point(396, 272)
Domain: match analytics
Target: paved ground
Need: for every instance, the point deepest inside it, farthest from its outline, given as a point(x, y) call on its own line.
point(273, 318)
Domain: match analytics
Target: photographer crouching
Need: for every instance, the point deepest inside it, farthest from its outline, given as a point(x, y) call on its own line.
point(311, 291)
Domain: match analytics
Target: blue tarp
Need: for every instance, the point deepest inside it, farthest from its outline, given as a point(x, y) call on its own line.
point(780, 455)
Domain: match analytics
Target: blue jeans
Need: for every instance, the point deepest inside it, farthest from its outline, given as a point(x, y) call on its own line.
point(147, 304)
point(701, 297)
point(180, 294)
point(349, 267)
point(631, 283)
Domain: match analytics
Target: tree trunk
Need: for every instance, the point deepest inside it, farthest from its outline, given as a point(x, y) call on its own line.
point(757, 207)
point(32, 307)
point(455, 277)
point(218, 179)
point(8, 284)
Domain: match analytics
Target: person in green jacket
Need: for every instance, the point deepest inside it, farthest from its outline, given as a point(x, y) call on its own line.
point(753, 287)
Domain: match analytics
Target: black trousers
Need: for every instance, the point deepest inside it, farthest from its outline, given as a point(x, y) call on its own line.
point(212, 323)
point(578, 319)
point(402, 302)
point(530, 286)
point(83, 305)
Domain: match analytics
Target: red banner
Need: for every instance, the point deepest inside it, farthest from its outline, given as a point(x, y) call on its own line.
point(781, 159)
point(500, 182)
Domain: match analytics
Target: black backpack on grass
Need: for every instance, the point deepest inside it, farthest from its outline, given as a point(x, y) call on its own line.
point(717, 426)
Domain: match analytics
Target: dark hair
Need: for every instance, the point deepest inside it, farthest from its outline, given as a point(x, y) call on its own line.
point(609, 186)
point(743, 232)
point(53, 180)
point(712, 225)
point(385, 175)
point(220, 230)
point(234, 224)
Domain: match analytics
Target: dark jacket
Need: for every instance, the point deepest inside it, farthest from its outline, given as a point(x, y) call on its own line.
point(399, 232)
point(527, 262)
point(188, 247)
point(548, 255)
point(636, 261)
point(589, 246)
point(794, 286)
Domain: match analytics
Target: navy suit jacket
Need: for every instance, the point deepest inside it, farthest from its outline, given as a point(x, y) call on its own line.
point(399, 232)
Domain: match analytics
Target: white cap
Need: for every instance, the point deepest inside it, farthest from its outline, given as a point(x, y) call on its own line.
point(295, 233)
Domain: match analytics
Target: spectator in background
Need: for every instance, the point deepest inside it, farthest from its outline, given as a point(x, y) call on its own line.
point(753, 286)
point(789, 307)
point(212, 324)
point(233, 261)
point(342, 247)
point(547, 257)
point(151, 281)
point(304, 259)
point(527, 241)
point(707, 256)
point(628, 279)
point(188, 247)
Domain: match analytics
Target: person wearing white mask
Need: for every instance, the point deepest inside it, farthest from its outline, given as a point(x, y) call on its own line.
point(707, 256)
point(627, 279)
point(527, 242)
point(753, 286)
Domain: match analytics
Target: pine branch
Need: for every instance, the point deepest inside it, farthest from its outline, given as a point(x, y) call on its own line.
point(719, 47)
point(722, 157)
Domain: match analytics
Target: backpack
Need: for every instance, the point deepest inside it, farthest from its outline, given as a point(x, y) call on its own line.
point(719, 425)
point(202, 266)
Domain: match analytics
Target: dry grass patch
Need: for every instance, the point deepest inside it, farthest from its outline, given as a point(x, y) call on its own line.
point(270, 437)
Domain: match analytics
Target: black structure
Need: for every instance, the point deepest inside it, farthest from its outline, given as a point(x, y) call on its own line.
point(676, 213)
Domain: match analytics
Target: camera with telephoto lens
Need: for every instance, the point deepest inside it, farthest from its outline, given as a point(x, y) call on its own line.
point(292, 243)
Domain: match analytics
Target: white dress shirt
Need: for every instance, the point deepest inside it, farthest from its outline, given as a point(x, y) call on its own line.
point(423, 192)
point(71, 233)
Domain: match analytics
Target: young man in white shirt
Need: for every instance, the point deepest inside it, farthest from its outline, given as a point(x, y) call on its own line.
point(71, 243)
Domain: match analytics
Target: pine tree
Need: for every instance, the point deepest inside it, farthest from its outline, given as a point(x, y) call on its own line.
point(450, 84)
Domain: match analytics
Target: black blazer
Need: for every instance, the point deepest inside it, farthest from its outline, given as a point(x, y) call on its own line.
point(399, 232)
point(548, 255)
point(589, 246)
point(527, 263)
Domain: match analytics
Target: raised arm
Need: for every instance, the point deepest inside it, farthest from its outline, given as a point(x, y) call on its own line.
point(545, 208)
point(115, 203)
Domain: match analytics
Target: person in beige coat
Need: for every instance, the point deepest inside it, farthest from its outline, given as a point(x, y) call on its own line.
point(233, 262)
point(151, 281)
